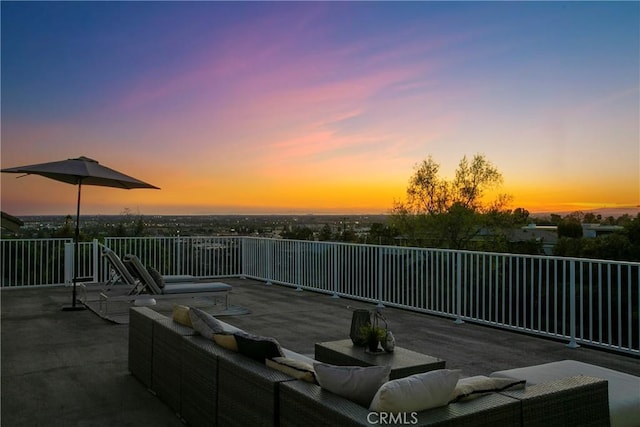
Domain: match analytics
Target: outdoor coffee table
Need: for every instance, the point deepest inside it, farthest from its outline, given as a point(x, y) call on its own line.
point(403, 362)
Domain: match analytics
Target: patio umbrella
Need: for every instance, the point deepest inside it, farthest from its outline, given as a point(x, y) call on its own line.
point(80, 171)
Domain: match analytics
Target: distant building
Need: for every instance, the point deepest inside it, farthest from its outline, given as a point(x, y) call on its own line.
point(547, 235)
point(595, 230)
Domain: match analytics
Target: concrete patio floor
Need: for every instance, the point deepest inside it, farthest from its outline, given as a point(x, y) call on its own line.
point(64, 368)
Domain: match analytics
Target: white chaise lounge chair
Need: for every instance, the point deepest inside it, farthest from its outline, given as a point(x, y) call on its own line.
point(146, 287)
point(152, 286)
point(128, 276)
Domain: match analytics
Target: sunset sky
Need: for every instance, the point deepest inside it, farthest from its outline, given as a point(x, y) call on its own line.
point(319, 107)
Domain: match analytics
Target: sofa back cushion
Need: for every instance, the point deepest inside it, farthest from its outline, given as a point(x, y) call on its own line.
point(257, 347)
point(356, 383)
point(417, 392)
point(204, 323)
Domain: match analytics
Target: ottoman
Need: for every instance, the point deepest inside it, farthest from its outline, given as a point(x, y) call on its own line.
point(624, 389)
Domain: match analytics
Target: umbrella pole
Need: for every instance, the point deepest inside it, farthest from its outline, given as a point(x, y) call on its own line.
point(74, 306)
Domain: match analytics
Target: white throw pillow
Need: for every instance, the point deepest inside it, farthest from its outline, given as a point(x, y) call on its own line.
point(416, 392)
point(356, 383)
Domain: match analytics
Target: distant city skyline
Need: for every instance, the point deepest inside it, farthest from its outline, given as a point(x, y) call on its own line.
point(319, 107)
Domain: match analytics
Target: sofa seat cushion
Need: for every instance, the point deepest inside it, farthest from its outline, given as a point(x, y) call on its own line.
point(624, 389)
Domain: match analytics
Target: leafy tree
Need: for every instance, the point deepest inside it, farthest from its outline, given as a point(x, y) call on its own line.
point(298, 233)
point(568, 246)
point(591, 218)
point(67, 229)
point(427, 192)
point(570, 227)
point(520, 216)
point(131, 224)
point(632, 229)
point(614, 246)
point(325, 233)
point(382, 234)
point(430, 194)
point(348, 235)
point(471, 181)
point(139, 227)
point(556, 219)
point(439, 212)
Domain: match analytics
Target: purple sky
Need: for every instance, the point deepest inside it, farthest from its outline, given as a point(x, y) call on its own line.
point(322, 106)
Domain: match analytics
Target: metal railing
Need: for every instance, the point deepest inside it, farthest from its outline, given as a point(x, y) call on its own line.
point(581, 301)
point(195, 256)
point(33, 262)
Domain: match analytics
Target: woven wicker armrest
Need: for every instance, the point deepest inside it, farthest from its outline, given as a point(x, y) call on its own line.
point(491, 410)
point(578, 400)
point(248, 391)
point(199, 381)
point(141, 321)
point(166, 362)
point(305, 403)
point(302, 403)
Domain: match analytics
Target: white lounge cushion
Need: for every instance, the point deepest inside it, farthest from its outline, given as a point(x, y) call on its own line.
point(184, 288)
point(624, 389)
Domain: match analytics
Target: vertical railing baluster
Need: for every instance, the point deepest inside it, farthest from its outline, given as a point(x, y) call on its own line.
point(298, 266)
point(619, 298)
point(380, 272)
point(458, 292)
point(572, 305)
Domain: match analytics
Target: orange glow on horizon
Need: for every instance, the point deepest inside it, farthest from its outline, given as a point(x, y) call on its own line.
point(280, 194)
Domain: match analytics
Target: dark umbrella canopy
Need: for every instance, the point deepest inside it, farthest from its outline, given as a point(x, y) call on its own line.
point(83, 171)
point(80, 171)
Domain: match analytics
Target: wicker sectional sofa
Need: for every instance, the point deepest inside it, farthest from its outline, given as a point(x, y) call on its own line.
point(206, 384)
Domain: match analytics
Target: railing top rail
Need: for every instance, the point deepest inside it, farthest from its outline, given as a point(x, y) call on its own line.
point(57, 239)
point(455, 251)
